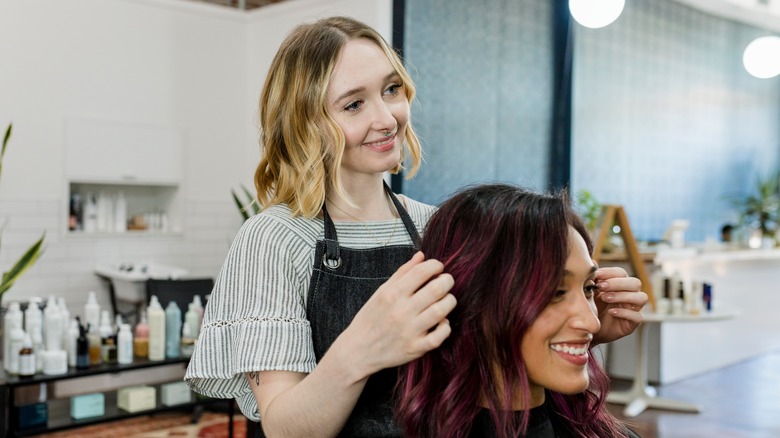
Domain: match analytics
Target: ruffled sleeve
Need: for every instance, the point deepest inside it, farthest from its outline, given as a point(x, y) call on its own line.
point(255, 319)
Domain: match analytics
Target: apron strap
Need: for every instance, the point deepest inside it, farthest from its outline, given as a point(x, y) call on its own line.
point(331, 258)
point(407, 220)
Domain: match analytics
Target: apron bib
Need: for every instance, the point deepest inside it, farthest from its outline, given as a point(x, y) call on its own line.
point(342, 281)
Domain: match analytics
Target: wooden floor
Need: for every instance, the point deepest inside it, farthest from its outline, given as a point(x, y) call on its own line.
point(740, 401)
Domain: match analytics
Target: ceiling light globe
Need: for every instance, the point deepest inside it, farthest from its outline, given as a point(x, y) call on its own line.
point(596, 13)
point(762, 57)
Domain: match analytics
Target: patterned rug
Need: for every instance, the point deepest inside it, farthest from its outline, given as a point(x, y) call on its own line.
point(164, 425)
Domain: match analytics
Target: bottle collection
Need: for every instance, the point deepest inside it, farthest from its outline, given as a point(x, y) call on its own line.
point(107, 212)
point(49, 341)
point(679, 297)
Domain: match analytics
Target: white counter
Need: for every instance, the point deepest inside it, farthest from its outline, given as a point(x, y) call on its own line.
point(745, 282)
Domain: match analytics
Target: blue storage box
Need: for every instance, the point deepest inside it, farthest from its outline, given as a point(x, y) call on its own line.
point(33, 415)
point(87, 406)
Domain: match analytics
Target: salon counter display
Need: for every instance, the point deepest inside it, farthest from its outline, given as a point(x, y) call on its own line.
point(745, 284)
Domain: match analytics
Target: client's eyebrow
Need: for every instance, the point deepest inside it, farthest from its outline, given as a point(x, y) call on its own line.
point(568, 273)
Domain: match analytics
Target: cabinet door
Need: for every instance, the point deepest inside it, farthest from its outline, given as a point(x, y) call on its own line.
point(115, 152)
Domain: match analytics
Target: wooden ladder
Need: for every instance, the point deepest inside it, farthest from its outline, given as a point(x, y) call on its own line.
point(616, 215)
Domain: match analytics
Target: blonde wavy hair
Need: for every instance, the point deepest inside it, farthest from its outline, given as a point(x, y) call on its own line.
point(302, 145)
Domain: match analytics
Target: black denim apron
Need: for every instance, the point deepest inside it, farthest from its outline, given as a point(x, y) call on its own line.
point(342, 281)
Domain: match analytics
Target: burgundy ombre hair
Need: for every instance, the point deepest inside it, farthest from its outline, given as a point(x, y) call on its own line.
point(506, 248)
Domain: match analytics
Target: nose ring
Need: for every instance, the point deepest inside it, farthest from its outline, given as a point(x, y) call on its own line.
point(388, 133)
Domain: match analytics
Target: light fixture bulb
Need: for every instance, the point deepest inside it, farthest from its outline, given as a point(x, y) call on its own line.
point(596, 13)
point(762, 57)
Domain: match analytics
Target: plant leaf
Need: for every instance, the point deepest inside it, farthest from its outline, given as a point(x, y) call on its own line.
point(25, 262)
point(240, 206)
point(5, 142)
point(251, 199)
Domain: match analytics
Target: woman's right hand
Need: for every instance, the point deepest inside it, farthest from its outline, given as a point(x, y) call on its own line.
point(405, 318)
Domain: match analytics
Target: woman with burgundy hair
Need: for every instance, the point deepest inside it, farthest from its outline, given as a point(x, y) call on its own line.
point(519, 359)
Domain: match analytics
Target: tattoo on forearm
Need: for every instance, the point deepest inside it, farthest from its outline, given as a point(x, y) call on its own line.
point(254, 375)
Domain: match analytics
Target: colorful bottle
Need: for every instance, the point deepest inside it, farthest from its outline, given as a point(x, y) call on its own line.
point(82, 346)
point(172, 330)
point(107, 339)
point(141, 339)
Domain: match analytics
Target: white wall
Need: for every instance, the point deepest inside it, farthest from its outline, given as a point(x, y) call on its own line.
point(193, 67)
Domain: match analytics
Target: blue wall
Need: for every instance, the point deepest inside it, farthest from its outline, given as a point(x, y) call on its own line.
point(665, 120)
point(483, 75)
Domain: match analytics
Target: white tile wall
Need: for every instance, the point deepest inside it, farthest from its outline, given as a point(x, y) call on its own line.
point(66, 267)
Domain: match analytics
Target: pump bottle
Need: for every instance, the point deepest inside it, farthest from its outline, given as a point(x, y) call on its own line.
point(156, 330)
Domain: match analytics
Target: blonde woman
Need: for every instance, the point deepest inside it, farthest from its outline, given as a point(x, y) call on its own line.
point(324, 292)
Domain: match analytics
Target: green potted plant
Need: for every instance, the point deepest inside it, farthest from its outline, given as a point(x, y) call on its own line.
point(32, 254)
point(760, 210)
point(589, 209)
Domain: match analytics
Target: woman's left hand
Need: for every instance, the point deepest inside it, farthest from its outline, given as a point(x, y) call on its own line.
point(619, 303)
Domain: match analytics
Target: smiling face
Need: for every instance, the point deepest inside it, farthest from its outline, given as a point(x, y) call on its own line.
point(367, 100)
point(555, 347)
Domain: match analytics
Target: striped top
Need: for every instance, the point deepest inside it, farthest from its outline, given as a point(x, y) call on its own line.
point(255, 319)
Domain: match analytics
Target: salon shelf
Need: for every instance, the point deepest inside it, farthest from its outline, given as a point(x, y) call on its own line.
point(131, 234)
point(74, 373)
point(112, 412)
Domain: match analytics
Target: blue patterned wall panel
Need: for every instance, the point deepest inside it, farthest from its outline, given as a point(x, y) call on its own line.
point(482, 71)
point(666, 121)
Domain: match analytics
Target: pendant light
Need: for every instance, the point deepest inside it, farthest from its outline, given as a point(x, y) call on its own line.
point(762, 57)
point(596, 13)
